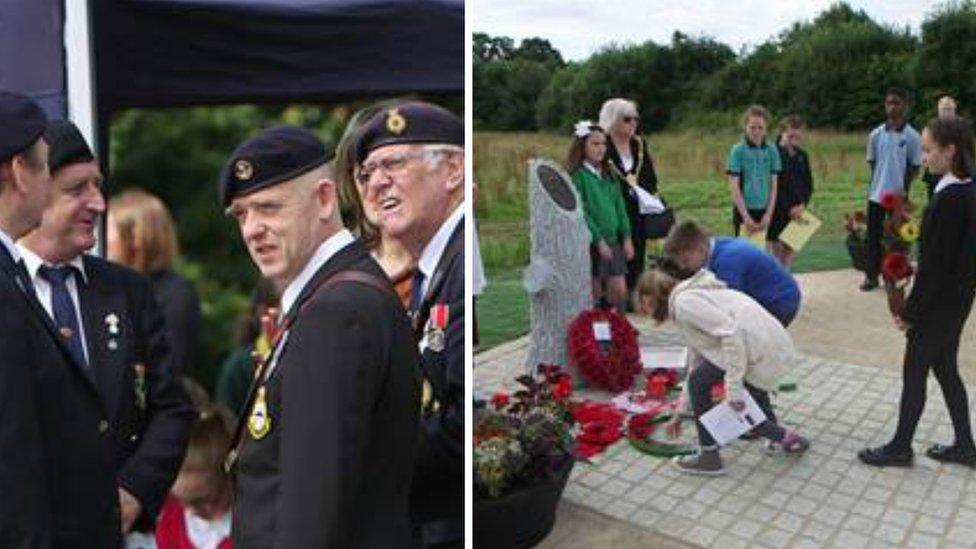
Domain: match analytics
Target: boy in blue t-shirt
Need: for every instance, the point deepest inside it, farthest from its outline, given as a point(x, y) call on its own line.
point(894, 156)
point(739, 264)
point(753, 168)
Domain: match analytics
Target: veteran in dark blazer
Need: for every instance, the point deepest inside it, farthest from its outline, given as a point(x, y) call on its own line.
point(326, 447)
point(57, 477)
point(113, 327)
point(411, 159)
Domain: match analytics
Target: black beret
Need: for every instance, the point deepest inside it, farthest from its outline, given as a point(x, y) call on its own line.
point(22, 122)
point(273, 156)
point(409, 122)
point(67, 146)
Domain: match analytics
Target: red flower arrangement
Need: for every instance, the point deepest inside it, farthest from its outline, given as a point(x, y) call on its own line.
point(614, 369)
point(500, 400)
point(892, 202)
point(659, 381)
point(896, 267)
point(599, 427)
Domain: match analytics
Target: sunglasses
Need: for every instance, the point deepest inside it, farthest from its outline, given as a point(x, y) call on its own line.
point(629, 119)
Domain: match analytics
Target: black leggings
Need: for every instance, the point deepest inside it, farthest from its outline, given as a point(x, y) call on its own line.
point(924, 351)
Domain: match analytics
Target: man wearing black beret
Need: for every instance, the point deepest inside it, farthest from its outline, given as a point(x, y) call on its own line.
point(326, 444)
point(116, 331)
point(412, 166)
point(56, 476)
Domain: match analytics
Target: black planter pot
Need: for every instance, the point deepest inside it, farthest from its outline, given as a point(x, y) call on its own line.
point(520, 519)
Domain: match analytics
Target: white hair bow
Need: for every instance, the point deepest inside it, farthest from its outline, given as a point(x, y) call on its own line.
point(582, 128)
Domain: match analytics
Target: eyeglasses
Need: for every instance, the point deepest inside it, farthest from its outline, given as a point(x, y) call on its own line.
point(391, 165)
point(629, 119)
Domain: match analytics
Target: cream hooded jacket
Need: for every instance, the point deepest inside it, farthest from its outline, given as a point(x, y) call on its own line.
point(732, 331)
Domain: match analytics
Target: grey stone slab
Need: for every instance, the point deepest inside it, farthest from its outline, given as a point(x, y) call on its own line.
point(745, 528)
point(774, 537)
point(701, 535)
point(615, 487)
point(931, 525)
point(890, 534)
point(790, 522)
point(620, 509)
point(847, 539)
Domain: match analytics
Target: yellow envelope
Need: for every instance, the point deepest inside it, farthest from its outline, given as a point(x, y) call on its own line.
point(757, 239)
point(798, 232)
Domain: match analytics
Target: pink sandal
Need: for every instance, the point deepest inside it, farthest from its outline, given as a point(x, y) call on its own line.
point(793, 443)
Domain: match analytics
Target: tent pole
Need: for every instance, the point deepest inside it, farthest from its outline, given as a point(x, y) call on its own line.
point(80, 83)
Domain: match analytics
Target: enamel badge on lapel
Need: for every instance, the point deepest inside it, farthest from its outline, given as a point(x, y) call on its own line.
point(140, 386)
point(439, 315)
point(112, 323)
point(259, 422)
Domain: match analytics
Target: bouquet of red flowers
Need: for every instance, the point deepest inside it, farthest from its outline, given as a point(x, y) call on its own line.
point(524, 438)
point(900, 232)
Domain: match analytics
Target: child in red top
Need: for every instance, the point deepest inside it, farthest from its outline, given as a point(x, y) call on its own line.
point(197, 514)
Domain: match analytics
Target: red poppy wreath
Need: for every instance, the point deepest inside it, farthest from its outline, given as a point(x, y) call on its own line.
point(612, 367)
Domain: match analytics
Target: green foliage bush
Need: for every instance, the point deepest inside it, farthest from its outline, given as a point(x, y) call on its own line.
point(832, 70)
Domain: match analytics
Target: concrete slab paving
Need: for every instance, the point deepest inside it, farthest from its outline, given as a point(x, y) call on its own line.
point(825, 498)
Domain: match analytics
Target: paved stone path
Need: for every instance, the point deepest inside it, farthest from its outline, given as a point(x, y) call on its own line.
point(825, 498)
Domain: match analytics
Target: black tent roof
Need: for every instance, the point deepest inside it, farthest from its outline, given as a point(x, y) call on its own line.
point(157, 53)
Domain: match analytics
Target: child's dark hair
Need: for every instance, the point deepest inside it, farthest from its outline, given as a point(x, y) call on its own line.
point(897, 92)
point(577, 152)
point(958, 132)
point(791, 122)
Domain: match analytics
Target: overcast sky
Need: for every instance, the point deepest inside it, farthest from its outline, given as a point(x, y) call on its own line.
point(578, 28)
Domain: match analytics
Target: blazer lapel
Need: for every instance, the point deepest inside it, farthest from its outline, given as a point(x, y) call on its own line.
point(454, 247)
point(98, 301)
point(345, 257)
point(10, 268)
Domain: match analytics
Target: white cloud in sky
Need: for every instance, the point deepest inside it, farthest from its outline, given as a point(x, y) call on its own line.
point(579, 28)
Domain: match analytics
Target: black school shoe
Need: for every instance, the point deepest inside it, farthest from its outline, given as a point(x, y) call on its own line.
point(882, 457)
point(869, 284)
point(952, 454)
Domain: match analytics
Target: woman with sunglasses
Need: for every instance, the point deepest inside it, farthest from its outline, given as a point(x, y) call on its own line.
point(633, 166)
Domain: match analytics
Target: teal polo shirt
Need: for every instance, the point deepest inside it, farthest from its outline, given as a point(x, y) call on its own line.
point(755, 166)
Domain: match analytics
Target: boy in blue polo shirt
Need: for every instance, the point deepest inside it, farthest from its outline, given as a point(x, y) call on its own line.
point(894, 155)
point(753, 168)
point(740, 265)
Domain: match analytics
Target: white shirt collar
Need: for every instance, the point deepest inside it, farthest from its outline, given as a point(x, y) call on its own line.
point(592, 168)
point(328, 248)
point(206, 534)
point(33, 262)
point(432, 253)
point(948, 179)
point(9, 244)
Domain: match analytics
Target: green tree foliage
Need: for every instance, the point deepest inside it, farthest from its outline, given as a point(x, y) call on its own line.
point(946, 57)
point(509, 80)
point(832, 70)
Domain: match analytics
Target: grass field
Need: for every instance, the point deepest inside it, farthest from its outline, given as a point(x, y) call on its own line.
point(691, 171)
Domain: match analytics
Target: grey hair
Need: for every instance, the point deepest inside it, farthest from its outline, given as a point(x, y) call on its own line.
point(613, 110)
point(435, 152)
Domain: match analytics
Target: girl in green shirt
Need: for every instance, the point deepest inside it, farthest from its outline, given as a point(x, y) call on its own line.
point(605, 211)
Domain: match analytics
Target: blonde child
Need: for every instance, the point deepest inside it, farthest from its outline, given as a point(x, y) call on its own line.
point(197, 515)
point(731, 339)
point(753, 169)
